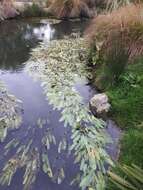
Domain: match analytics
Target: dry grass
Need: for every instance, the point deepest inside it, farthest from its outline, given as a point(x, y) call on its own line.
point(6, 9)
point(124, 24)
point(71, 8)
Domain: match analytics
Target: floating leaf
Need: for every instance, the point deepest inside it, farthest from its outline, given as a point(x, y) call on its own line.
point(59, 75)
point(46, 165)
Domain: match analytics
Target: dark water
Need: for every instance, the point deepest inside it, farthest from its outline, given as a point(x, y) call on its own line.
point(16, 40)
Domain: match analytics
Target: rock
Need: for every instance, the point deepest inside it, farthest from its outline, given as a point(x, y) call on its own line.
point(100, 105)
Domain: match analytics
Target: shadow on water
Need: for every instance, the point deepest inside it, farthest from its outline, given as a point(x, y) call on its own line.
point(16, 39)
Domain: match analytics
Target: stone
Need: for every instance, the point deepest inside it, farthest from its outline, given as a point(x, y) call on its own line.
point(99, 104)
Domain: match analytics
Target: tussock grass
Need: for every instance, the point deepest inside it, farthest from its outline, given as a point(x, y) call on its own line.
point(119, 38)
point(71, 8)
point(125, 19)
point(33, 11)
point(7, 10)
point(116, 42)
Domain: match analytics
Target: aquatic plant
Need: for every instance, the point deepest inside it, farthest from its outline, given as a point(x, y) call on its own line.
point(23, 158)
point(27, 154)
point(30, 156)
point(60, 65)
point(10, 112)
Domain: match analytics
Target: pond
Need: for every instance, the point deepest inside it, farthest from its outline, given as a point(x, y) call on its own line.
point(17, 38)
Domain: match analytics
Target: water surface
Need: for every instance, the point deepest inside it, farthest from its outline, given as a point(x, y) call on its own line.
point(16, 40)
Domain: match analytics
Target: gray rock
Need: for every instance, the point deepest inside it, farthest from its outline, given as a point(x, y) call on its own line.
point(100, 105)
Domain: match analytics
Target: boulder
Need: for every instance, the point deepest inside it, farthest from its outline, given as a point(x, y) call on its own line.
point(99, 105)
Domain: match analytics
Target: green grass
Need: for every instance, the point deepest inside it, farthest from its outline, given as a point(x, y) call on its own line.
point(126, 97)
point(127, 110)
point(132, 147)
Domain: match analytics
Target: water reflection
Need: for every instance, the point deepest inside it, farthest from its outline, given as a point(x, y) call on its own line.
point(18, 37)
point(16, 40)
point(44, 33)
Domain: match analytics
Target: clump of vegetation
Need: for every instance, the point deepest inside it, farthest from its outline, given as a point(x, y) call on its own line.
point(10, 117)
point(33, 10)
point(7, 10)
point(22, 159)
point(59, 67)
point(114, 5)
point(126, 23)
point(127, 109)
point(71, 8)
point(127, 96)
point(117, 37)
point(30, 157)
point(116, 51)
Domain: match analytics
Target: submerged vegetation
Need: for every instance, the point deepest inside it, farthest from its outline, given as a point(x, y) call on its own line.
point(59, 68)
point(10, 112)
point(58, 75)
point(115, 42)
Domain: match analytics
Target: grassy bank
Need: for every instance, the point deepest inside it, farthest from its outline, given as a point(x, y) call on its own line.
point(126, 98)
point(116, 56)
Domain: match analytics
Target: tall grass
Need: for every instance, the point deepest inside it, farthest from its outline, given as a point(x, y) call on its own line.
point(119, 37)
point(123, 19)
point(33, 10)
point(71, 8)
point(115, 4)
point(7, 10)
